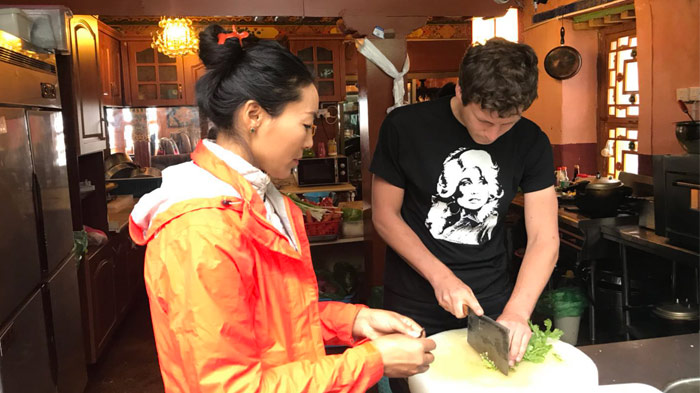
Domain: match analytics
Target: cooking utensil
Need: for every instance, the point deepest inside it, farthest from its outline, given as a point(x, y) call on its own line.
point(688, 385)
point(488, 336)
point(118, 165)
point(677, 311)
point(120, 171)
point(116, 158)
point(688, 135)
point(562, 62)
point(601, 196)
point(685, 109)
point(146, 172)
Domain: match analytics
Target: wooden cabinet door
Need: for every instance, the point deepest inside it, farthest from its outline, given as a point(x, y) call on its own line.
point(110, 70)
point(85, 72)
point(98, 299)
point(194, 69)
point(121, 273)
point(324, 58)
point(156, 79)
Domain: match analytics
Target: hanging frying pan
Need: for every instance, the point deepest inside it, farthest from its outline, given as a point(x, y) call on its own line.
point(562, 62)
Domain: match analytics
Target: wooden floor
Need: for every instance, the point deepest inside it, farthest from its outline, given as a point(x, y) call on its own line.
point(130, 362)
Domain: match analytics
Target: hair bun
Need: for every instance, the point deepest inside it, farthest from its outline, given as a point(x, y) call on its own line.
point(218, 58)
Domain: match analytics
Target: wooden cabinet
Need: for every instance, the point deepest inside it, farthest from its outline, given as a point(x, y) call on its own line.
point(155, 79)
point(324, 56)
point(194, 69)
point(79, 78)
point(109, 278)
point(97, 279)
point(110, 66)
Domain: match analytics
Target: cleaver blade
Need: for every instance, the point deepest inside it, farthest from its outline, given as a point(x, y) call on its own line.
point(486, 335)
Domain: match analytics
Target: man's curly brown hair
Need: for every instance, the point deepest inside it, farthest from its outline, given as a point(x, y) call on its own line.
point(500, 76)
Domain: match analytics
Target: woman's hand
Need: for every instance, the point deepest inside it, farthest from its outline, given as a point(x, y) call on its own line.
point(519, 335)
point(404, 356)
point(453, 294)
point(374, 323)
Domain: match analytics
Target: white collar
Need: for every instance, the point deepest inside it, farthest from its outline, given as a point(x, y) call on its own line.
point(259, 179)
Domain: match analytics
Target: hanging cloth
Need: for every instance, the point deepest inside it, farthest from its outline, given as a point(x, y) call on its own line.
point(368, 50)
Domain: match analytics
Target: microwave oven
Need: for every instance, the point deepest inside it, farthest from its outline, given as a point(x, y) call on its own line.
point(677, 199)
point(322, 171)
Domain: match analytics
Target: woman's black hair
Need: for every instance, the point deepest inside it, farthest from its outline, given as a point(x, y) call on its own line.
point(259, 70)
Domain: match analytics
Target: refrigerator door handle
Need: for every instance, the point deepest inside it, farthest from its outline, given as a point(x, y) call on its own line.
point(41, 235)
point(105, 128)
point(7, 338)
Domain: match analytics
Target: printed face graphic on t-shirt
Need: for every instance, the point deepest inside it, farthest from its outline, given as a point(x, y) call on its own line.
point(465, 208)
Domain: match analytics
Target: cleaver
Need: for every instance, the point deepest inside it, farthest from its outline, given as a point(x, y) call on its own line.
point(486, 335)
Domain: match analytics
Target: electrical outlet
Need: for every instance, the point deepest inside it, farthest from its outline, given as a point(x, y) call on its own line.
point(694, 93)
point(682, 94)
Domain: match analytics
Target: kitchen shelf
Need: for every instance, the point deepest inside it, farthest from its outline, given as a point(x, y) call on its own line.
point(339, 241)
point(294, 189)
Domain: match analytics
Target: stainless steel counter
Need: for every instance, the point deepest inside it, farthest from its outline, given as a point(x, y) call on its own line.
point(656, 362)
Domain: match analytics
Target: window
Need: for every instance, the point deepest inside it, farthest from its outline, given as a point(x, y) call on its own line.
point(505, 27)
point(620, 114)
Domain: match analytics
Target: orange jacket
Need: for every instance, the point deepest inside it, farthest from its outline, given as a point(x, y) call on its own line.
point(234, 306)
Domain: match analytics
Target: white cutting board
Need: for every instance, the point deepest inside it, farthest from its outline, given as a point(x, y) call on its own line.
point(458, 369)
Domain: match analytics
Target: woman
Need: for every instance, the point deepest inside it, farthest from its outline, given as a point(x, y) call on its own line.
point(465, 207)
point(232, 290)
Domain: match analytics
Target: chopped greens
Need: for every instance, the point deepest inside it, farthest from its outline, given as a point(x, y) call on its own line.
point(538, 348)
point(488, 363)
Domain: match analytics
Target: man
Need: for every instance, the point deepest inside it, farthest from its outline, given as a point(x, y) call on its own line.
point(445, 172)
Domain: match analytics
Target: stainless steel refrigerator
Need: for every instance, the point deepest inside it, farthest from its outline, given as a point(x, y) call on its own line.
point(41, 347)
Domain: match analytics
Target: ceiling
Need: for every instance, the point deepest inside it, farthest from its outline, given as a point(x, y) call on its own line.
point(306, 8)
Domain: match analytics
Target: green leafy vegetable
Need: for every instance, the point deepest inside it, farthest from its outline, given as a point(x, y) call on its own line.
point(488, 363)
point(538, 347)
point(317, 212)
point(350, 214)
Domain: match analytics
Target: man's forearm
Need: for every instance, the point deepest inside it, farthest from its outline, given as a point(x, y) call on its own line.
point(538, 263)
point(399, 236)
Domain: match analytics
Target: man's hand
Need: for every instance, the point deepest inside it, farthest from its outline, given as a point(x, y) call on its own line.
point(519, 335)
point(453, 294)
point(374, 323)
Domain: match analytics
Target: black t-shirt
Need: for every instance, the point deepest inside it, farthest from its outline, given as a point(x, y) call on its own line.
point(457, 193)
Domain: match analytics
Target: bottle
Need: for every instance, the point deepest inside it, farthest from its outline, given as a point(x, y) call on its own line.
point(577, 170)
point(332, 148)
point(564, 181)
point(321, 150)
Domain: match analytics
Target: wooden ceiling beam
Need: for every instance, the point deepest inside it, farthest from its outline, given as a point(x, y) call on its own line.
point(629, 14)
point(612, 19)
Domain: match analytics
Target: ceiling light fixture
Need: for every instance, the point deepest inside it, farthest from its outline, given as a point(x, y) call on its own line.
point(176, 37)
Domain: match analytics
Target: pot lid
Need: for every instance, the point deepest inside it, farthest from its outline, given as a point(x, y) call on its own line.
point(677, 311)
point(604, 183)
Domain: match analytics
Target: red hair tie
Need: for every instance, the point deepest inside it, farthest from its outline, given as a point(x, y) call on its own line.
point(234, 34)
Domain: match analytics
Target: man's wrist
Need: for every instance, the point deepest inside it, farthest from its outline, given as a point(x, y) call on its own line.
point(439, 274)
point(514, 310)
